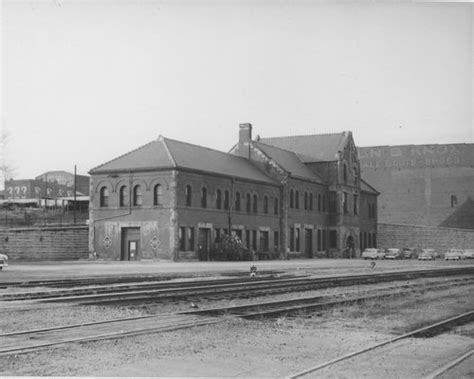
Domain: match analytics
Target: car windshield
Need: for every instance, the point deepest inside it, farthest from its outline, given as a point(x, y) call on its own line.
point(455, 250)
point(393, 250)
point(371, 250)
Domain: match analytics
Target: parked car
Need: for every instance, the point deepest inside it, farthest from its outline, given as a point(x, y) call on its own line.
point(427, 255)
point(410, 252)
point(3, 261)
point(468, 254)
point(372, 253)
point(453, 254)
point(394, 254)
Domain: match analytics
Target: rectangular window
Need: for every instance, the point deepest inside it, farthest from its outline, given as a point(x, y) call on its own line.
point(297, 239)
point(292, 239)
point(365, 240)
point(356, 210)
point(276, 241)
point(333, 239)
point(191, 239)
point(182, 238)
point(218, 235)
point(325, 242)
point(345, 203)
point(324, 203)
point(332, 202)
point(361, 242)
point(247, 239)
point(254, 240)
point(374, 239)
point(264, 245)
point(369, 235)
point(319, 240)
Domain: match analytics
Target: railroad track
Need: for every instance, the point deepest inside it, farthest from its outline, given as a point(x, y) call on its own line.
point(156, 292)
point(427, 331)
point(31, 340)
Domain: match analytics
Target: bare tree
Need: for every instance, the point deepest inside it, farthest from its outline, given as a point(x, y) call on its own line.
point(6, 167)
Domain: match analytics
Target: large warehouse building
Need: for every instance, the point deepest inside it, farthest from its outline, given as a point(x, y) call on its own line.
point(291, 196)
point(431, 185)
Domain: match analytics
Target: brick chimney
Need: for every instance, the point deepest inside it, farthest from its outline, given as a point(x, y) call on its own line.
point(245, 136)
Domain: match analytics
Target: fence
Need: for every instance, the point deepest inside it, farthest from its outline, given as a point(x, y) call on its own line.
point(38, 218)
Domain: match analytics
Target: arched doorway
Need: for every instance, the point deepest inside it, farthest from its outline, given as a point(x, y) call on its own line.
point(349, 251)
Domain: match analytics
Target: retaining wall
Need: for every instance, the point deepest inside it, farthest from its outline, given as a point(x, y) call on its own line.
point(395, 235)
point(48, 243)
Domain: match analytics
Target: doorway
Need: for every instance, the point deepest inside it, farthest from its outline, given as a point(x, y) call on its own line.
point(204, 238)
point(130, 248)
point(349, 251)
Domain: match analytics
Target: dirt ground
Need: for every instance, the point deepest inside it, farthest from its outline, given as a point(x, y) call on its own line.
point(269, 348)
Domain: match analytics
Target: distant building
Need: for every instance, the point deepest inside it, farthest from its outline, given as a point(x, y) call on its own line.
point(65, 178)
point(292, 196)
point(429, 185)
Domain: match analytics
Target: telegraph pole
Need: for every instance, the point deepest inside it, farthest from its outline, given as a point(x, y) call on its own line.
point(75, 174)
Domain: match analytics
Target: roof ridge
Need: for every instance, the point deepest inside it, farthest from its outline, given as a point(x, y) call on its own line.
point(200, 146)
point(307, 135)
point(123, 155)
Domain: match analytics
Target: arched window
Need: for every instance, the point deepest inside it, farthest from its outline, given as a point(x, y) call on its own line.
point(275, 205)
point(305, 200)
point(255, 204)
point(137, 195)
point(157, 194)
point(104, 197)
point(248, 203)
point(356, 174)
point(297, 200)
point(344, 172)
point(292, 199)
point(123, 196)
point(319, 202)
point(204, 197)
point(218, 199)
point(237, 201)
point(324, 203)
point(188, 196)
point(226, 199)
point(265, 204)
point(310, 201)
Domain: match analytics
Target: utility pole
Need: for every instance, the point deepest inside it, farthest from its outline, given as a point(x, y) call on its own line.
point(75, 174)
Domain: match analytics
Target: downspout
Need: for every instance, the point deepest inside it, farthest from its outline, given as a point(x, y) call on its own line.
point(129, 203)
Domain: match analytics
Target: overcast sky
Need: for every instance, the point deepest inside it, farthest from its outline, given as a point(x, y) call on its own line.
point(86, 81)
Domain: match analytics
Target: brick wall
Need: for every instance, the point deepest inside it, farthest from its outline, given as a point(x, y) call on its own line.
point(393, 235)
point(32, 244)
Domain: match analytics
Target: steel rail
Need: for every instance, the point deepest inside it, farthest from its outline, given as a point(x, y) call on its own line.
point(450, 365)
point(296, 305)
point(270, 286)
point(427, 330)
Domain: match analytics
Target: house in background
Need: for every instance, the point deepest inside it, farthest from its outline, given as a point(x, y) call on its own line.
point(291, 196)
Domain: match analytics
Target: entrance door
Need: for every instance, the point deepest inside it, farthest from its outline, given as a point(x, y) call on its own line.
point(308, 242)
point(350, 248)
point(130, 249)
point(204, 239)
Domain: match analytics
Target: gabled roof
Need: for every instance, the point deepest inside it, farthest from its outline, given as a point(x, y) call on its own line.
point(167, 153)
point(366, 187)
point(289, 162)
point(311, 148)
point(152, 155)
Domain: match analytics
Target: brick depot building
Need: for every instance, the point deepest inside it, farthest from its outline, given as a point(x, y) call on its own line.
point(431, 185)
point(290, 196)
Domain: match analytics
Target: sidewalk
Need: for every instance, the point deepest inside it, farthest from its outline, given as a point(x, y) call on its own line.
point(28, 271)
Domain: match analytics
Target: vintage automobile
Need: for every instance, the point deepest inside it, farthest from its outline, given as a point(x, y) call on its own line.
point(453, 254)
point(372, 253)
point(427, 255)
point(3, 261)
point(468, 254)
point(393, 254)
point(410, 252)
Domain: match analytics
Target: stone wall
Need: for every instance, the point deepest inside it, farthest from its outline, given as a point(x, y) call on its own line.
point(393, 235)
point(44, 244)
